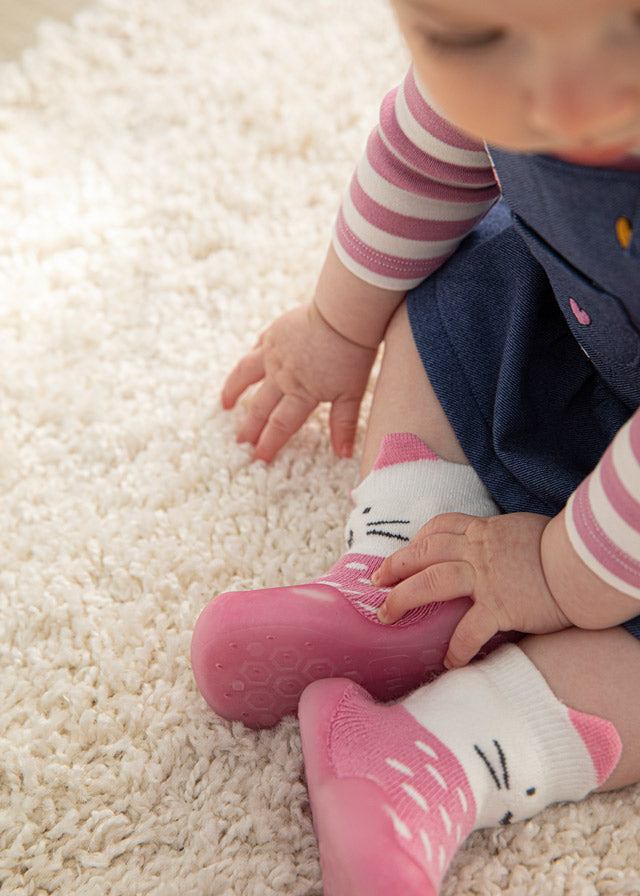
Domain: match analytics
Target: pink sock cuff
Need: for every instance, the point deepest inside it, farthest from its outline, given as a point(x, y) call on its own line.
point(400, 447)
point(602, 741)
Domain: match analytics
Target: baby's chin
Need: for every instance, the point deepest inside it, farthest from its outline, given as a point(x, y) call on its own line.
point(598, 156)
point(587, 155)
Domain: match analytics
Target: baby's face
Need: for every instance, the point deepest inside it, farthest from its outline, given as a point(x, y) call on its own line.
point(560, 77)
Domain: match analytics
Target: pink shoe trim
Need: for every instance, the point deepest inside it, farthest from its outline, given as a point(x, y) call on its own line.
point(359, 850)
point(601, 739)
point(420, 785)
point(352, 575)
point(400, 447)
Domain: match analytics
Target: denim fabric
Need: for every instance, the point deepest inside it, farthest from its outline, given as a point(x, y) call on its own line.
point(530, 333)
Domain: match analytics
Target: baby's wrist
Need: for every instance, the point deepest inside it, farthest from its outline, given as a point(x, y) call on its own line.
point(550, 560)
point(338, 330)
point(586, 600)
point(351, 307)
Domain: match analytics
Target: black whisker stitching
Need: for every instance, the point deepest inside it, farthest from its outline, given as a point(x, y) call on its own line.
point(503, 763)
point(492, 771)
point(388, 522)
point(388, 534)
point(506, 818)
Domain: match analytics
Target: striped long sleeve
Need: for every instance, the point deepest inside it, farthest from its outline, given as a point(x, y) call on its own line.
point(603, 514)
point(418, 190)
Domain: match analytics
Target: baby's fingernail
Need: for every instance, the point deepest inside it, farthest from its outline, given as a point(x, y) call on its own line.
point(383, 613)
point(375, 578)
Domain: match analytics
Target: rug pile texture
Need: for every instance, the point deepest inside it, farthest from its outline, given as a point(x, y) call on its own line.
point(169, 173)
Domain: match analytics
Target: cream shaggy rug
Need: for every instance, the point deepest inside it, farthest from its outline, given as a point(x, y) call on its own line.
point(169, 171)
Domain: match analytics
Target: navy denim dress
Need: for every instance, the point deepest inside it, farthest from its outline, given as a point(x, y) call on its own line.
point(530, 333)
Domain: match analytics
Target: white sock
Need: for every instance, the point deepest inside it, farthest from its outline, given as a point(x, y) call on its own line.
point(481, 746)
point(520, 747)
point(407, 486)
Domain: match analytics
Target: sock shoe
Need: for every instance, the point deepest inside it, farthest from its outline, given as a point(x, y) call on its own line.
point(396, 789)
point(254, 652)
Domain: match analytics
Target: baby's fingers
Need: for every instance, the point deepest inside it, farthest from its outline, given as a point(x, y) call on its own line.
point(286, 418)
point(248, 370)
point(415, 557)
point(440, 582)
point(343, 422)
point(477, 626)
point(260, 408)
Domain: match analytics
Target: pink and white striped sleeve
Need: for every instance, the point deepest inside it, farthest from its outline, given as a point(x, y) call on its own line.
point(418, 190)
point(603, 514)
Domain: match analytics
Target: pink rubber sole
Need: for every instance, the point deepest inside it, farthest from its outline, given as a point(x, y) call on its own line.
point(359, 850)
point(254, 652)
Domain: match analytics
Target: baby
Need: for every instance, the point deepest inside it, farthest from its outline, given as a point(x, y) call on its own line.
point(491, 238)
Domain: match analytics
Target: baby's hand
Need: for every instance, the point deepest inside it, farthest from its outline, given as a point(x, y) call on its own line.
point(299, 361)
point(494, 560)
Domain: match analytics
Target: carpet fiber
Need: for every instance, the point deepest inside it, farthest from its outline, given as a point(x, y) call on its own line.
point(169, 171)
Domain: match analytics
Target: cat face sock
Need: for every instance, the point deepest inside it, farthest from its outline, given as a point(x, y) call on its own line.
point(396, 789)
point(408, 485)
point(253, 652)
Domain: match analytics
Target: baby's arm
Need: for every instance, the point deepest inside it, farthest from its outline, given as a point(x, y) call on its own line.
point(418, 190)
point(591, 552)
point(525, 572)
point(356, 309)
point(583, 597)
point(320, 351)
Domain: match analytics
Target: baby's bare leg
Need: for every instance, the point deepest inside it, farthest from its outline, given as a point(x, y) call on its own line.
point(404, 401)
point(596, 672)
